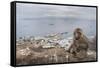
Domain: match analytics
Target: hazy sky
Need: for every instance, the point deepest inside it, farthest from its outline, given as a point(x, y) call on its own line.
point(43, 11)
point(33, 19)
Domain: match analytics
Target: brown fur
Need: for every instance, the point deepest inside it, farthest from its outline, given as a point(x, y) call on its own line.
point(80, 44)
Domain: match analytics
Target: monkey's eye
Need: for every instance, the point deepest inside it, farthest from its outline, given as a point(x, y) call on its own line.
point(79, 33)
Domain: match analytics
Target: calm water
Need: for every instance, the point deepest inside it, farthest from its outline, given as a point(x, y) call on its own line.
point(37, 20)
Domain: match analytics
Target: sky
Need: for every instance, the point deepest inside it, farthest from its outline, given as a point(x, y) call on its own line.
point(35, 19)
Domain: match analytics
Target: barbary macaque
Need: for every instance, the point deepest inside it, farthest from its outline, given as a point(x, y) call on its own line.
point(80, 44)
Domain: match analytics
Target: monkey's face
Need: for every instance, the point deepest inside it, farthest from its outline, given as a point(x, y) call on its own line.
point(77, 34)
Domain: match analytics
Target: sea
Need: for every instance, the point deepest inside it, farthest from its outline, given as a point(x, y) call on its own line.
point(37, 20)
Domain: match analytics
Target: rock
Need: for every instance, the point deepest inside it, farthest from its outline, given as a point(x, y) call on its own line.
point(92, 54)
point(22, 55)
point(50, 49)
point(48, 46)
point(92, 45)
point(54, 36)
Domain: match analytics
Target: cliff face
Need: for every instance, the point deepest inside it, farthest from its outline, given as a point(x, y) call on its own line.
point(45, 51)
point(31, 55)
